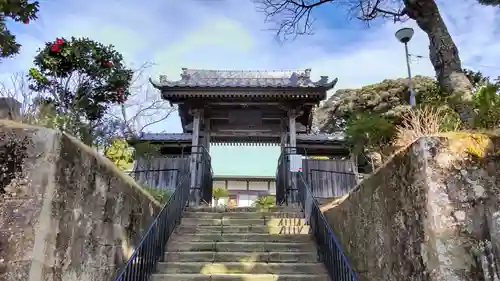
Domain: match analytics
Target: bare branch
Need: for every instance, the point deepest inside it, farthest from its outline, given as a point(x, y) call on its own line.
point(294, 17)
point(144, 108)
point(372, 9)
point(18, 88)
point(165, 117)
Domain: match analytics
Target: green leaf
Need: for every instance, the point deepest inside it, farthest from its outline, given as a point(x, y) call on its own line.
point(19, 11)
point(82, 85)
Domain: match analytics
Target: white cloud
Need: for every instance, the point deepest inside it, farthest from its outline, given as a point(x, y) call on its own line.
point(229, 34)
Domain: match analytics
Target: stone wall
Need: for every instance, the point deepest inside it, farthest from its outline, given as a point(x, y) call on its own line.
point(431, 213)
point(66, 213)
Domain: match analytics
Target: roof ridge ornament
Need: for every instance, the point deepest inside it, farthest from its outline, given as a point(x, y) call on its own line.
point(307, 73)
point(322, 81)
point(185, 74)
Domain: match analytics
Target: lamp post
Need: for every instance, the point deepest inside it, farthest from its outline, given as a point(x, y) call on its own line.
point(404, 36)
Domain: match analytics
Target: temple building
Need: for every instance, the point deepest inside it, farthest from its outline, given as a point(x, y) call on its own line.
point(239, 108)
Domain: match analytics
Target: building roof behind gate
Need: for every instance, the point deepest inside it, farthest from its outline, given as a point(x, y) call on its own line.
point(244, 140)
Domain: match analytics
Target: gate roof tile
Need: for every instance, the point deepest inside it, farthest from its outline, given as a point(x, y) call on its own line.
point(201, 78)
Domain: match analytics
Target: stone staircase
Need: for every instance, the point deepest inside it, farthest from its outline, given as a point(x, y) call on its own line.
point(241, 244)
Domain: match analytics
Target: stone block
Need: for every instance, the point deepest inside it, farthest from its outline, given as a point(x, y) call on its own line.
point(239, 267)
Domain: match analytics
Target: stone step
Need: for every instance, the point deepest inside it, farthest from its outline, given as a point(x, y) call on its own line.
point(273, 257)
point(295, 209)
point(240, 267)
point(242, 221)
point(239, 277)
point(277, 230)
point(244, 215)
point(239, 237)
point(239, 247)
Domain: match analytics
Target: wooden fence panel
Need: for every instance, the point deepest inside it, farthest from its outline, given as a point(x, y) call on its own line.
point(330, 177)
point(160, 172)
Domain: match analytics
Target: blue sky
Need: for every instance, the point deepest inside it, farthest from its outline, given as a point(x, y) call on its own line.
point(230, 34)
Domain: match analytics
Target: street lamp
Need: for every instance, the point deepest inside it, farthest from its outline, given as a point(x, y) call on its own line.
point(404, 36)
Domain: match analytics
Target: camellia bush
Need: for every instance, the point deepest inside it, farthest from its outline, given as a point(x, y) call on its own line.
point(80, 79)
point(18, 11)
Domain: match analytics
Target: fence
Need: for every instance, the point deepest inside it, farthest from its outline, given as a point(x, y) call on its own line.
point(158, 179)
point(326, 184)
point(327, 178)
point(151, 172)
point(160, 171)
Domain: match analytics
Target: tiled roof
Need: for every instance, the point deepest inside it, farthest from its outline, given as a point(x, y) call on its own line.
point(198, 78)
point(321, 137)
point(188, 137)
point(164, 137)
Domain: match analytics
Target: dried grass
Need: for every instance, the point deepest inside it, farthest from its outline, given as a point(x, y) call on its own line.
point(420, 122)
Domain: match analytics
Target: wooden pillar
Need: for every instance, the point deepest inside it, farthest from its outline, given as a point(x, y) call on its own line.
point(207, 135)
point(195, 192)
point(292, 128)
point(292, 131)
point(283, 134)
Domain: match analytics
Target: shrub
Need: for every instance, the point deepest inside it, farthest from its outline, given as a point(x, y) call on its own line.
point(265, 202)
point(219, 192)
point(487, 107)
point(424, 121)
point(161, 195)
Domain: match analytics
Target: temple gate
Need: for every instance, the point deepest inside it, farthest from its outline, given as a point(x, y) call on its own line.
point(245, 107)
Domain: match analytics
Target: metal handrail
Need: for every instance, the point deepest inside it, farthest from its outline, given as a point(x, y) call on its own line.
point(151, 247)
point(330, 250)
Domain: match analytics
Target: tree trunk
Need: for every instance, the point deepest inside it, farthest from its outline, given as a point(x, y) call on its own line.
point(444, 56)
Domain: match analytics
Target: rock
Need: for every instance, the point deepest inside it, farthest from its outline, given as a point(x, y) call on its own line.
point(431, 213)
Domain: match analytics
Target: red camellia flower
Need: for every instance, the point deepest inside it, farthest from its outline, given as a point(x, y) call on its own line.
point(108, 64)
point(55, 48)
point(59, 41)
point(26, 21)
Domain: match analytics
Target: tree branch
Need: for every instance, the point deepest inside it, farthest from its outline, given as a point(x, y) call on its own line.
point(294, 17)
